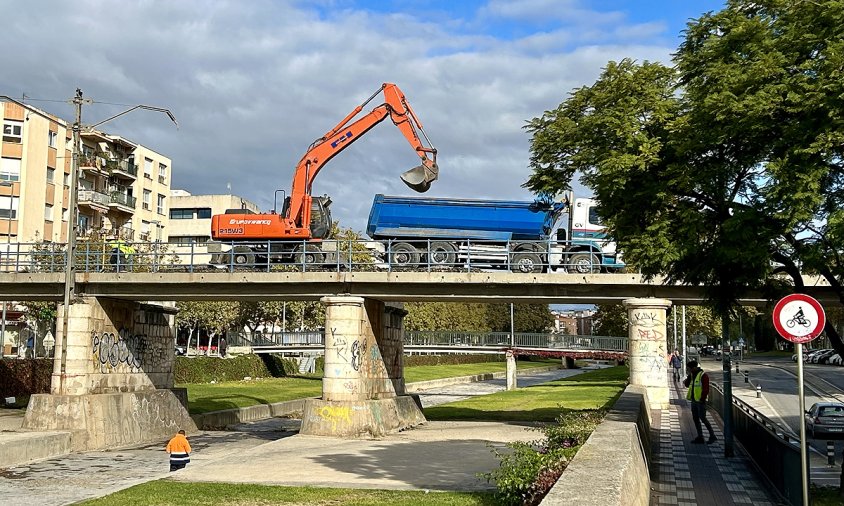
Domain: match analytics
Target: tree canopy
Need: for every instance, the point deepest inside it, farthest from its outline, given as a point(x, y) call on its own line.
point(726, 166)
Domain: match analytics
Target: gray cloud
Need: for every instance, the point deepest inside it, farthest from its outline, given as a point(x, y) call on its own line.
point(254, 83)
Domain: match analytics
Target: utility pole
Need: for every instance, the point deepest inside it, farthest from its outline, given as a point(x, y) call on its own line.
point(70, 258)
point(60, 368)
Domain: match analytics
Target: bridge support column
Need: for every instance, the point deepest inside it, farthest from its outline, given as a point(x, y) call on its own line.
point(363, 386)
point(511, 370)
point(114, 386)
point(647, 354)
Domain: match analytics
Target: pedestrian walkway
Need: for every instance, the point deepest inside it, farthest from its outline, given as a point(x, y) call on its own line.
point(689, 474)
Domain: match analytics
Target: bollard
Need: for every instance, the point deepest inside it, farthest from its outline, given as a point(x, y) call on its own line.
point(746, 379)
point(830, 453)
point(758, 391)
point(737, 368)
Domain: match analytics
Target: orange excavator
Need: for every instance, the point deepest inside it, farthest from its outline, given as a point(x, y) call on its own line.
point(294, 234)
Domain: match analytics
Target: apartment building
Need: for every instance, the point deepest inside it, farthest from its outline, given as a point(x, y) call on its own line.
point(123, 186)
point(189, 226)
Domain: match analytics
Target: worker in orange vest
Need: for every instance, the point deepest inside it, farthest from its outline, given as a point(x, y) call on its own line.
point(179, 450)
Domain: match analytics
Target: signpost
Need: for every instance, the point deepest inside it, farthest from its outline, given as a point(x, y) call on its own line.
point(48, 342)
point(799, 318)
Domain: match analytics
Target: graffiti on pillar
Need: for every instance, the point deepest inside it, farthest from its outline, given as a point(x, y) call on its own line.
point(644, 319)
point(338, 343)
point(351, 386)
point(333, 414)
point(652, 334)
point(358, 353)
point(113, 350)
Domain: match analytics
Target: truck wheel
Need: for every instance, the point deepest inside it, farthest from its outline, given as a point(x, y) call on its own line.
point(402, 254)
point(310, 256)
point(243, 257)
point(585, 263)
point(526, 263)
point(442, 253)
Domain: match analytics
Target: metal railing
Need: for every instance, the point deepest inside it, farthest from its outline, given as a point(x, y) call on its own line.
point(773, 450)
point(304, 256)
point(123, 199)
point(95, 197)
point(456, 340)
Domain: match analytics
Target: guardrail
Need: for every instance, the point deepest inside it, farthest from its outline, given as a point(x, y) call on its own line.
point(328, 255)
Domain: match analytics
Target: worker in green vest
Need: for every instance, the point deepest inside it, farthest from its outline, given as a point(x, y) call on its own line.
point(698, 383)
point(121, 254)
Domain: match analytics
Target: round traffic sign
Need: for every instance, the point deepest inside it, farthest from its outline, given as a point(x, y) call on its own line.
point(799, 318)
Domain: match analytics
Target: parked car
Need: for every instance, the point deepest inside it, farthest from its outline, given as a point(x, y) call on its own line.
point(825, 420)
point(823, 358)
point(180, 350)
point(835, 360)
point(805, 354)
point(813, 356)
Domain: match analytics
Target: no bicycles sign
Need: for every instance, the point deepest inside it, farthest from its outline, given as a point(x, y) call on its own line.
point(799, 318)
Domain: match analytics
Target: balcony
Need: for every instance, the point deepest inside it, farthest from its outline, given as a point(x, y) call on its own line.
point(122, 202)
point(94, 200)
point(122, 169)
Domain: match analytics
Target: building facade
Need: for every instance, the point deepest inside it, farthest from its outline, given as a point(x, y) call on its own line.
point(189, 226)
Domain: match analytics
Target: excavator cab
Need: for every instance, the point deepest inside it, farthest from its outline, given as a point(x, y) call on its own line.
point(320, 217)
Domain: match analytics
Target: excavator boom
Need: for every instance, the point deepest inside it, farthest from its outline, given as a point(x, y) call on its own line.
point(295, 220)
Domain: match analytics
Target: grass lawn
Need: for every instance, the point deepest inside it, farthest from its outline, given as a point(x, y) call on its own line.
point(166, 492)
point(205, 397)
point(589, 390)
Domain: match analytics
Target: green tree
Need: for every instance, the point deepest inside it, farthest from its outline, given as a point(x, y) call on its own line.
point(731, 158)
point(215, 316)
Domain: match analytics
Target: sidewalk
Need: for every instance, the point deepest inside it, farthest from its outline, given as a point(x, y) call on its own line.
point(683, 473)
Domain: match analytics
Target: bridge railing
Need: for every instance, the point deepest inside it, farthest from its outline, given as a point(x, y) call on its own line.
point(458, 339)
point(328, 255)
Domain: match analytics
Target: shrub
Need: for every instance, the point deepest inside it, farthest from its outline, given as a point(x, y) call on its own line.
point(207, 369)
point(25, 377)
point(525, 475)
point(417, 360)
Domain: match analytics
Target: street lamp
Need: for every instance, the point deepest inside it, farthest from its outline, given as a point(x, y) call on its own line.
point(70, 264)
point(11, 186)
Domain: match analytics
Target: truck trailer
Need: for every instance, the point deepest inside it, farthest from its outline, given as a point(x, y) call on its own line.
point(524, 236)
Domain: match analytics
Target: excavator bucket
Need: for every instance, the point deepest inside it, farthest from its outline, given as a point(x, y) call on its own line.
point(420, 178)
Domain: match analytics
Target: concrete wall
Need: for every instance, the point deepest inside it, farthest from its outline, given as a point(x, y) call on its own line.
point(618, 452)
point(115, 346)
point(106, 421)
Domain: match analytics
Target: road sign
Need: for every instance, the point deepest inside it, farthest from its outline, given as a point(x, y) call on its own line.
point(49, 341)
point(799, 318)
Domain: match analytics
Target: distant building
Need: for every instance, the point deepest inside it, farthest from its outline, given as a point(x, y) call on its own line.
point(189, 227)
point(575, 323)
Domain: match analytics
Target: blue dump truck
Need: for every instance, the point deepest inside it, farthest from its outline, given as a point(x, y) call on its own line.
point(523, 236)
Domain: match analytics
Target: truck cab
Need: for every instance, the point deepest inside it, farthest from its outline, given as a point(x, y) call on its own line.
point(582, 244)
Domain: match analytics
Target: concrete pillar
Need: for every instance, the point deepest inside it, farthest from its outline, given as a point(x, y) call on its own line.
point(114, 386)
point(363, 385)
point(511, 370)
point(567, 362)
point(647, 354)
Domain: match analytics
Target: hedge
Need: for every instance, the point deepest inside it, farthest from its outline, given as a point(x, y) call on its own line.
point(208, 369)
point(451, 359)
point(22, 377)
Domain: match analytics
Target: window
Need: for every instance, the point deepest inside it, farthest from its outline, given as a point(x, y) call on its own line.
point(10, 169)
point(145, 231)
point(52, 138)
point(203, 213)
point(67, 179)
point(9, 207)
point(48, 212)
point(181, 214)
point(64, 214)
point(12, 131)
point(148, 168)
point(594, 216)
point(51, 175)
point(160, 207)
point(187, 240)
point(162, 172)
point(147, 198)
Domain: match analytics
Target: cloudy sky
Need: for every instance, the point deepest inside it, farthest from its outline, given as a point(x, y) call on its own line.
point(253, 83)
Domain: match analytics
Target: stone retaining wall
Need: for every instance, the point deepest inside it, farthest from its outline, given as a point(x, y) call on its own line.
point(618, 452)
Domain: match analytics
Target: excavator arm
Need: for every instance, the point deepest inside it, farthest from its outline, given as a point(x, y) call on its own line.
point(345, 133)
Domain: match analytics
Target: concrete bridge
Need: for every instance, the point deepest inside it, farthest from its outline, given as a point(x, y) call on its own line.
point(112, 381)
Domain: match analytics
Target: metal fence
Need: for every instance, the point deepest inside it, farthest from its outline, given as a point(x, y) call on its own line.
point(329, 255)
point(454, 339)
point(773, 451)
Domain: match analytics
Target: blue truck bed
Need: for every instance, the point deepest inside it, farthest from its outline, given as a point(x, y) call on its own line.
point(444, 218)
